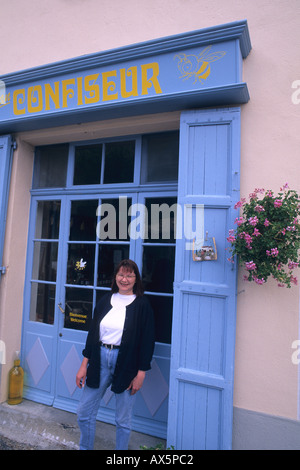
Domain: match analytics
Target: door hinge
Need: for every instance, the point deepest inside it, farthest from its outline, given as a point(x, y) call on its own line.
point(2, 269)
point(14, 145)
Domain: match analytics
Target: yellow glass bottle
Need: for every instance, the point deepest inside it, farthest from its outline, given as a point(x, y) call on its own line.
point(16, 378)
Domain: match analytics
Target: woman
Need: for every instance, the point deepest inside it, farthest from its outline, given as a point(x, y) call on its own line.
point(118, 352)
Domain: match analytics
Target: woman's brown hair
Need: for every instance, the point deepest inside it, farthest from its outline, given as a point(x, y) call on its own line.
point(130, 266)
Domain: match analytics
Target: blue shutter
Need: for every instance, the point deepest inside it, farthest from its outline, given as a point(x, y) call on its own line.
point(204, 315)
point(5, 171)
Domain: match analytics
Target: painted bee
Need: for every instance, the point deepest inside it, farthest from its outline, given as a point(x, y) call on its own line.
point(197, 65)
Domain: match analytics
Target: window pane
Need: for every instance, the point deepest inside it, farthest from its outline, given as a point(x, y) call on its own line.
point(47, 219)
point(42, 303)
point(83, 220)
point(109, 258)
point(161, 219)
point(81, 262)
point(45, 261)
point(100, 293)
point(160, 157)
point(158, 268)
point(50, 166)
point(162, 308)
point(119, 162)
point(87, 168)
point(78, 308)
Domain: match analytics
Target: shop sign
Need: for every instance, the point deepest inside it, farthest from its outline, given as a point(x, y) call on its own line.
point(201, 68)
point(161, 76)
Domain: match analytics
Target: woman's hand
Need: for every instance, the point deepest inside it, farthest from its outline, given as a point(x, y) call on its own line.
point(81, 374)
point(137, 382)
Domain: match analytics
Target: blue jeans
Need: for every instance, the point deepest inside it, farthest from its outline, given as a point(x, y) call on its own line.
point(90, 402)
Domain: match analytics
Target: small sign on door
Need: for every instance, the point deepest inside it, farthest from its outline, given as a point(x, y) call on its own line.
point(205, 250)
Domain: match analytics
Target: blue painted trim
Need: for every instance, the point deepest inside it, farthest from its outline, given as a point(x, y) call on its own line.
point(226, 32)
point(6, 156)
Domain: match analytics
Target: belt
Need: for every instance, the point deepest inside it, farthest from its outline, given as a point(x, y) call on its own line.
point(109, 346)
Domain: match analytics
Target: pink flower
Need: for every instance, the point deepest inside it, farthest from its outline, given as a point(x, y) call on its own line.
point(256, 232)
point(259, 281)
point(259, 208)
point(240, 203)
point(248, 239)
point(266, 223)
point(250, 266)
point(293, 265)
point(277, 203)
point(239, 221)
point(285, 186)
point(253, 221)
point(269, 193)
point(274, 252)
point(231, 238)
point(294, 280)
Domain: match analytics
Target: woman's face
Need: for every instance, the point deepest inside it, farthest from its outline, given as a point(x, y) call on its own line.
point(125, 281)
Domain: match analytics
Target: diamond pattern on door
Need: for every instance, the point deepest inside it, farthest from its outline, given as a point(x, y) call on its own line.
point(37, 361)
point(69, 369)
point(155, 388)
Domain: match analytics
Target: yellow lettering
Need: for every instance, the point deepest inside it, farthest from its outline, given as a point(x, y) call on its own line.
point(131, 72)
point(93, 89)
point(31, 99)
point(152, 81)
point(4, 100)
point(109, 86)
point(20, 101)
point(53, 94)
point(67, 92)
point(79, 91)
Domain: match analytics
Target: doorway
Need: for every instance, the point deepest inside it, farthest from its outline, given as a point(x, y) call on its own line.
point(94, 204)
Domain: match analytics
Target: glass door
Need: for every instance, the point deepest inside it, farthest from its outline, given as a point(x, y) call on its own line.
point(115, 200)
point(40, 330)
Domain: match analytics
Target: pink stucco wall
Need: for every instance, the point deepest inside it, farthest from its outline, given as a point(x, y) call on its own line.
point(38, 32)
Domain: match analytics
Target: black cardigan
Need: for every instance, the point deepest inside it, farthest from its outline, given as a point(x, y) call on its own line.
point(136, 348)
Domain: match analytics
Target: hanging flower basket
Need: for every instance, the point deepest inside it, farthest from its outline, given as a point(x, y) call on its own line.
point(266, 239)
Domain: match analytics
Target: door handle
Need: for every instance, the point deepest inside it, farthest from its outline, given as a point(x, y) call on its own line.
point(60, 308)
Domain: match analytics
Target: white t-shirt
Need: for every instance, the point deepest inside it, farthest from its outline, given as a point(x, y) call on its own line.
point(112, 325)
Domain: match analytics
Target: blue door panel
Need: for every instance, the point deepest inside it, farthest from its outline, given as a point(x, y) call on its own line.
point(203, 338)
point(38, 357)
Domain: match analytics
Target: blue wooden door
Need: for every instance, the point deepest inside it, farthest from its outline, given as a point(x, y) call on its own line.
point(5, 171)
point(204, 315)
point(41, 297)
